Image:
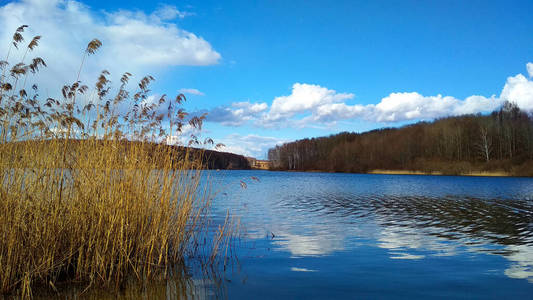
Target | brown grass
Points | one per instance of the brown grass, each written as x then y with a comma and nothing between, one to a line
402,172
92,210
410,172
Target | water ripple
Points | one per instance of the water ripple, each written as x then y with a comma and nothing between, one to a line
411,217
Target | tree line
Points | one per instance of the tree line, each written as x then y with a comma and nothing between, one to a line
500,141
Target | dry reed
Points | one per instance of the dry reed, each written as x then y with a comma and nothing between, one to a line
87,194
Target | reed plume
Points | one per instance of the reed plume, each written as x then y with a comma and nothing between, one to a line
88,191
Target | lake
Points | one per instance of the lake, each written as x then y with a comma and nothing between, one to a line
338,236
323,235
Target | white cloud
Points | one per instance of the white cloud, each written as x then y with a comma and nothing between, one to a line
304,98
327,106
170,12
309,105
236,115
133,41
529,67
413,106
133,38
251,107
251,145
335,111
519,89
191,92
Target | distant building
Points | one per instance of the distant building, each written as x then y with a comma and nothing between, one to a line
258,164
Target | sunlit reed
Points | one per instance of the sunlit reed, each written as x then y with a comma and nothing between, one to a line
89,192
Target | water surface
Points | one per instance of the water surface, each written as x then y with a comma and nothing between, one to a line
323,235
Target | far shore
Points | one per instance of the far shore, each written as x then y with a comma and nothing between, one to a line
411,172
474,173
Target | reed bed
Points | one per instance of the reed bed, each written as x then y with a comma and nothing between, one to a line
88,191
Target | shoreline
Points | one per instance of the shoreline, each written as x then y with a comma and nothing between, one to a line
438,173
411,172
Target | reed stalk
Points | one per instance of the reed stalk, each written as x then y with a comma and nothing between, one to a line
96,201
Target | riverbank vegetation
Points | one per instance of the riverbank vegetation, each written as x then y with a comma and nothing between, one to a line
498,142
78,203
211,159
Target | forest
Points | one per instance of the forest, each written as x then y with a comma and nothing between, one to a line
210,159
500,141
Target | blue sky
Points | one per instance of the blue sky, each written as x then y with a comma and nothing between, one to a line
273,71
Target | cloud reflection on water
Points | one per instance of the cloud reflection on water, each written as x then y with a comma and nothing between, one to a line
323,214
522,262
309,245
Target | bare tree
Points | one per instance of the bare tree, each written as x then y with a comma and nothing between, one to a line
485,142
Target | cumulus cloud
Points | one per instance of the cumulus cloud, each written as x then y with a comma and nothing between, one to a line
320,105
304,98
327,106
309,105
413,106
251,145
191,92
519,89
335,111
133,41
237,114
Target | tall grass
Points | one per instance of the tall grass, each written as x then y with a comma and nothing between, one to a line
88,192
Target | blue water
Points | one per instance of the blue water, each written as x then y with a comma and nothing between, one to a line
330,236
